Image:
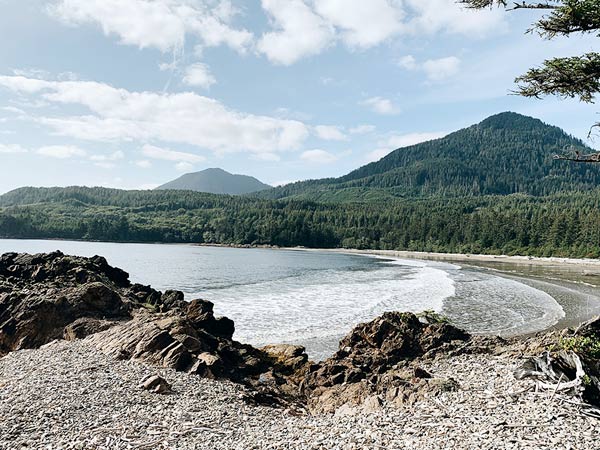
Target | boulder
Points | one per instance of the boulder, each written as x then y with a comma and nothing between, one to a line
156,384
43,296
375,359
291,357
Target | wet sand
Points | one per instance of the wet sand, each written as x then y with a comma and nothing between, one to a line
573,283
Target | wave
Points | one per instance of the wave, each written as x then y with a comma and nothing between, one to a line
325,305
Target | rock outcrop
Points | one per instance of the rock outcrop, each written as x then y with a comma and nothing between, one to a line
40,295
377,360
53,296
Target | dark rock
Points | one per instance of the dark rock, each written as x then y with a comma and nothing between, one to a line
84,327
371,360
156,384
41,295
173,299
421,373
200,314
198,311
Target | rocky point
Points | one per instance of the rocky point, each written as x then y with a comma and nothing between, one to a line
53,296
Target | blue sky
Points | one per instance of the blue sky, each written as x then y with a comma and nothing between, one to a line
133,93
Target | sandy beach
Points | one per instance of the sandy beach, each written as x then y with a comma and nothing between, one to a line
591,266
573,283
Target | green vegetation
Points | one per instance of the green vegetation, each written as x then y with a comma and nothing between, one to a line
505,154
559,225
588,346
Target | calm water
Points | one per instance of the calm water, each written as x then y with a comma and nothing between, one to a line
314,298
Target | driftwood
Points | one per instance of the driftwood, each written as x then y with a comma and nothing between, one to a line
574,374
550,371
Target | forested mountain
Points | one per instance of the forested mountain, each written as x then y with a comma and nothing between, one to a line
505,154
490,188
216,181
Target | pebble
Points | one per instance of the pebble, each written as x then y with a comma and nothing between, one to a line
70,396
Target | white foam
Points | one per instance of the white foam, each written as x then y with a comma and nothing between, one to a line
329,303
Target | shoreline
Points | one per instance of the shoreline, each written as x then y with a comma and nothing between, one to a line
554,276
433,256
573,283
479,258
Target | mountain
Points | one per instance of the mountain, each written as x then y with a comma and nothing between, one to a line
216,181
490,188
505,154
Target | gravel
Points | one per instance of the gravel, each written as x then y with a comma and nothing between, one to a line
70,396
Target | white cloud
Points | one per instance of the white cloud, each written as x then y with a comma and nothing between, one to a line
318,157
408,62
183,118
161,24
304,28
23,84
447,16
362,23
300,28
143,163
184,166
381,105
136,22
299,32
362,129
116,156
61,151
12,148
441,69
150,151
435,69
330,133
199,75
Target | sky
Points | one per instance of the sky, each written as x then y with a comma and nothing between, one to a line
133,93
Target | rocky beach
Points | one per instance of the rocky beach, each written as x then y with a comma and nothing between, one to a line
90,360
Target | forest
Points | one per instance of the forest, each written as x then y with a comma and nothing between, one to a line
556,225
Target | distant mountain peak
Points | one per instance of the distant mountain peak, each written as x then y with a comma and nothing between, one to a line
216,181
509,119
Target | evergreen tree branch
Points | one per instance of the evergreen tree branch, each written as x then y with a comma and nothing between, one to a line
570,77
480,4
574,16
